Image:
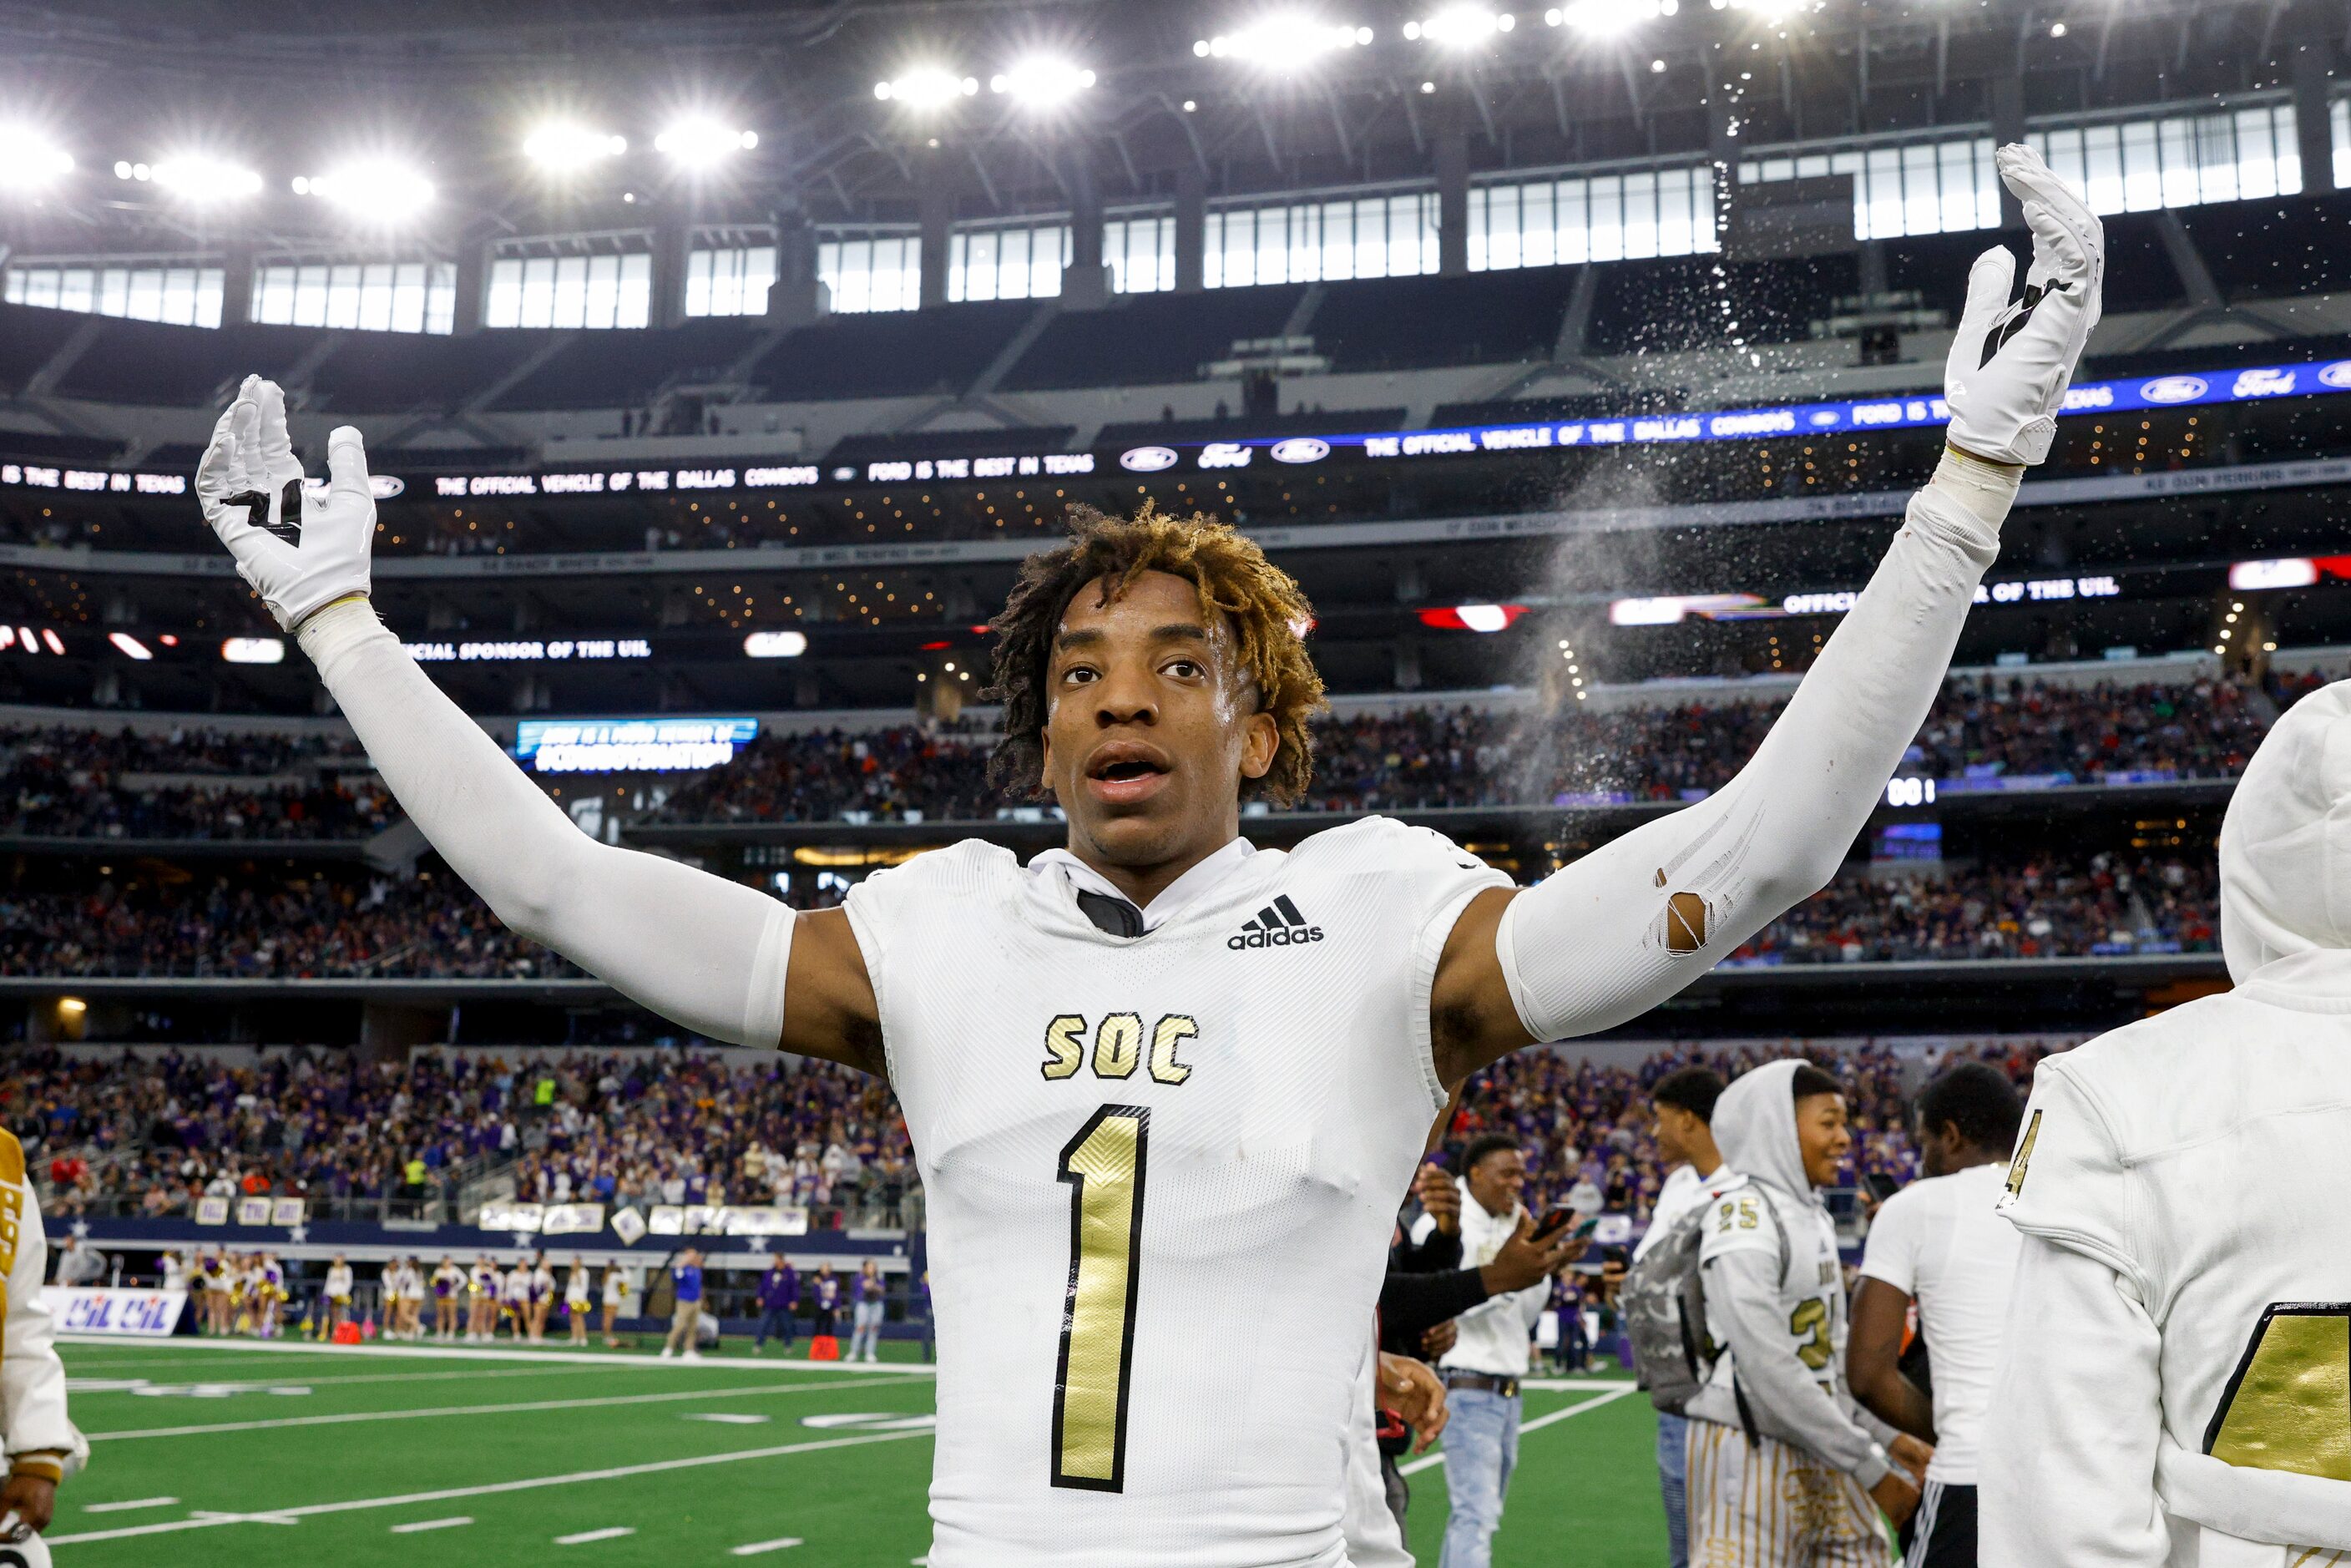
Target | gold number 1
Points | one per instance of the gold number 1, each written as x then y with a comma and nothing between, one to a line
1104,1165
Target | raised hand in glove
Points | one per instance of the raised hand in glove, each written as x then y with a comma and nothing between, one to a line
2012,360
249,481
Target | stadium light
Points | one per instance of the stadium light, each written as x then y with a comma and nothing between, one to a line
1460,27
1608,18
378,189
195,178
925,87
30,161
1042,81
700,142
775,644
1285,41
253,651
565,146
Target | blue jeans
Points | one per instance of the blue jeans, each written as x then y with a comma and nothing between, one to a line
1481,1450
777,1320
1673,1479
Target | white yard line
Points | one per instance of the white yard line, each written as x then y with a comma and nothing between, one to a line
350,1417
435,1351
126,1507
239,1386
1413,1467
754,1548
446,1494
418,1526
610,1532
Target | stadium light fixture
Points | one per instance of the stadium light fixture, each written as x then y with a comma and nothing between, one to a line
30,161
380,190
925,87
1460,27
1042,82
566,147
253,651
194,178
1285,41
1608,18
701,142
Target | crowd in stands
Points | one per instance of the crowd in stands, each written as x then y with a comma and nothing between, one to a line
69,782
2045,906
2040,907
151,1135
1431,757
690,1129
305,926
154,1133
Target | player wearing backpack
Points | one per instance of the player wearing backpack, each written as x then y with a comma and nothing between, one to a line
1681,1105
1784,1465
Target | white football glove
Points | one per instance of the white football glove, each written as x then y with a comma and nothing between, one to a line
249,481
2011,361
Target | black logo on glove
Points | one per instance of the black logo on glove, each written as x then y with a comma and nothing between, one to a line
2035,293
289,526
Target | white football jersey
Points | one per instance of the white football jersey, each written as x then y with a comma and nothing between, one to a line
2200,1155
1161,1174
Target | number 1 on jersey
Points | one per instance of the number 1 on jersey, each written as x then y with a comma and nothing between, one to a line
1104,1165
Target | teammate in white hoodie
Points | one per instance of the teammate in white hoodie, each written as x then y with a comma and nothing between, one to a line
2174,1384
1784,1465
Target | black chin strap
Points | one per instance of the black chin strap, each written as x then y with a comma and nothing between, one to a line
1112,916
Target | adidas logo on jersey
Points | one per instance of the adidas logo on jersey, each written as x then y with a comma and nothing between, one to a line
1278,925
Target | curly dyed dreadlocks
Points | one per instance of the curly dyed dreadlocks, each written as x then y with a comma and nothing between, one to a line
1233,581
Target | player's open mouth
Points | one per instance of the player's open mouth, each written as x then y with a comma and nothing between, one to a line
1125,772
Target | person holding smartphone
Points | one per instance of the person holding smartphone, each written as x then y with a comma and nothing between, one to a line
1488,1358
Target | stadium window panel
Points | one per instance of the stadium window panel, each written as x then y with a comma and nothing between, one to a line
1140,251
1609,217
605,290
1020,262
871,272
183,294
2179,160
1331,241
729,280
2341,117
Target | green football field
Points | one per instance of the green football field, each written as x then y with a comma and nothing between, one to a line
212,1452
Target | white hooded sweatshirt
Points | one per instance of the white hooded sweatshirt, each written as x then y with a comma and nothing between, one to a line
2175,1383
1778,1304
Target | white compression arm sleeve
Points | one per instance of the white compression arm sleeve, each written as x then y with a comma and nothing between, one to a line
702,951
1619,931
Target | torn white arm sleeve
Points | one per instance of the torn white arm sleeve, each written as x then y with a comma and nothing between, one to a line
1597,944
695,948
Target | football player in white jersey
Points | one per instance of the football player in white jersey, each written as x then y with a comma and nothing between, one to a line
2174,1385
1164,1086
1938,1245
1784,1465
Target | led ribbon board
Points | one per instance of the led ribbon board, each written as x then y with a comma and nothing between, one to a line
2181,389
630,744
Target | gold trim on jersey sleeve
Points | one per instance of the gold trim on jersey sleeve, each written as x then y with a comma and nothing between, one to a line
2288,1405
2014,1188
11,1159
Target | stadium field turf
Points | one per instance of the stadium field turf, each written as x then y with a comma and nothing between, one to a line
210,1452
